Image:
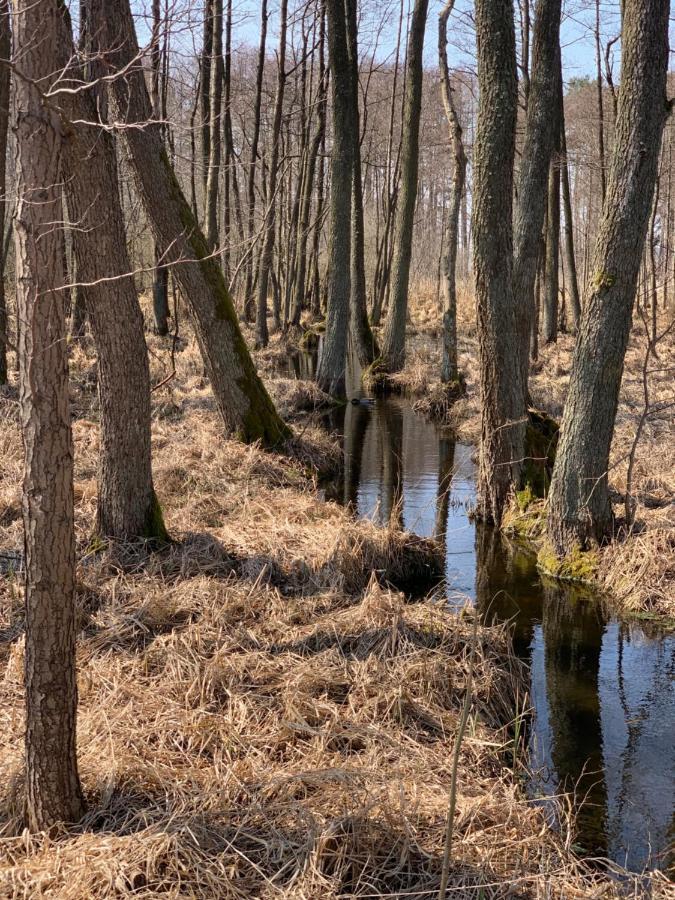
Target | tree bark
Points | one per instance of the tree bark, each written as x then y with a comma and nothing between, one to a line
331,373
240,394
449,371
579,508
532,186
501,393
215,109
393,343
127,507
53,791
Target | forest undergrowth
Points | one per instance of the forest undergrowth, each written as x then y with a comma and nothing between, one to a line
637,568
262,714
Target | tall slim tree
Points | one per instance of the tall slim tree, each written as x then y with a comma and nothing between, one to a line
449,371
53,791
160,281
540,134
331,373
551,281
215,109
240,394
568,232
579,507
267,255
501,445
360,330
393,343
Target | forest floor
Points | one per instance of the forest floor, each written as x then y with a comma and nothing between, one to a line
637,568
262,714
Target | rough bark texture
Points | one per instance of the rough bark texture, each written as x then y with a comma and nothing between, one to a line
579,506
393,343
240,394
540,134
127,507
331,374
449,361
502,423
53,790
5,49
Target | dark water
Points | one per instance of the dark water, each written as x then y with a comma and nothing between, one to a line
602,691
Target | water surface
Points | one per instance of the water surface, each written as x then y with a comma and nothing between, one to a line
602,691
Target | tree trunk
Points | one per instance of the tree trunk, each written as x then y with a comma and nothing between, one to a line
215,108
393,344
240,394
579,508
249,300
160,283
550,318
570,259
127,507
331,373
501,393
449,371
540,134
601,115
266,258
360,330
53,792
5,51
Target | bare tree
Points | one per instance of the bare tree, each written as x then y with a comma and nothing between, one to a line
579,508
53,789
501,393
393,341
240,394
331,373
449,371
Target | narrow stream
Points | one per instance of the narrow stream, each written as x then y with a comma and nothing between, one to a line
602,690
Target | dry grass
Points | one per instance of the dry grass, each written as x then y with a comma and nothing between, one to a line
260,715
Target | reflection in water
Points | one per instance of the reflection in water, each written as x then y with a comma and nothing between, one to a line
602,692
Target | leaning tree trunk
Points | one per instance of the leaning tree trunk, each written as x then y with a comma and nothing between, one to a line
5,50
449,372
331,373
393,344
53,792
360,330
240,394
501,393
540,132
579,508
127,506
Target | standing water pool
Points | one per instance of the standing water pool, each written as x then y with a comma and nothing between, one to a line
602,690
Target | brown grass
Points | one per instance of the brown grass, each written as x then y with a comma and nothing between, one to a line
260,714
